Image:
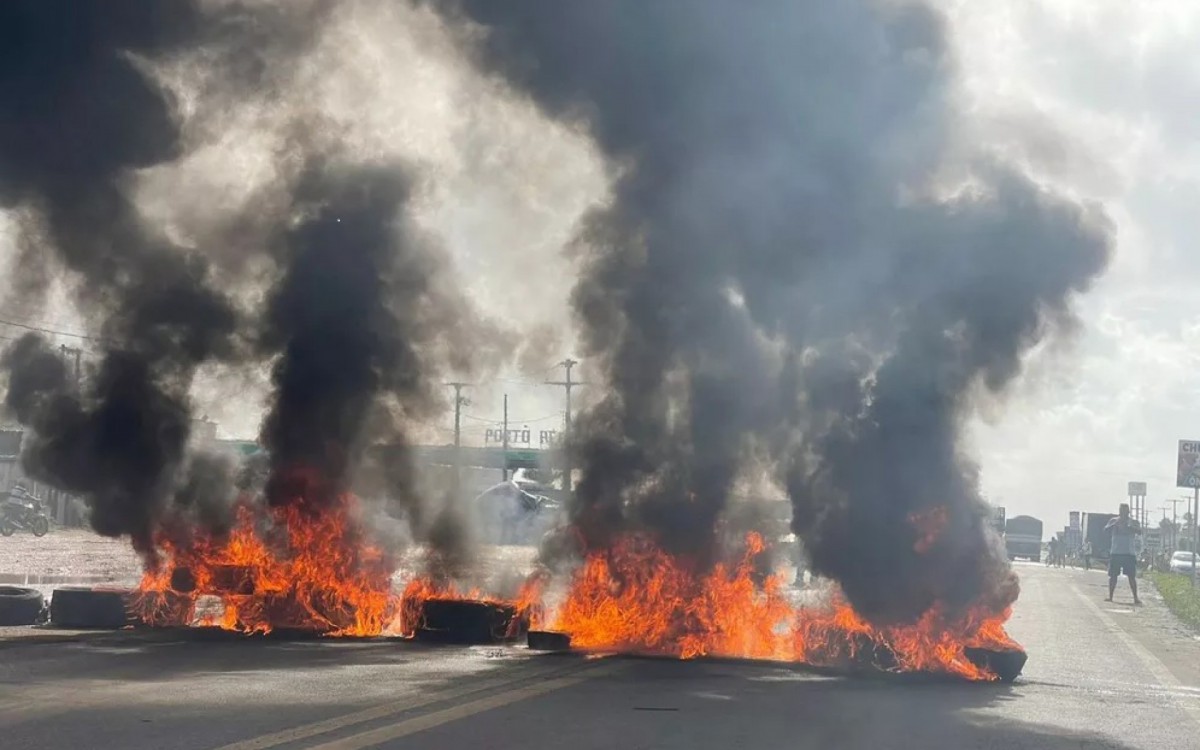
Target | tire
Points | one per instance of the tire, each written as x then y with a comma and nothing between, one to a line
84,608
20,606
40,526
7,528
468,622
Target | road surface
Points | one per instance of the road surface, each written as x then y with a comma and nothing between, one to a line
1099,675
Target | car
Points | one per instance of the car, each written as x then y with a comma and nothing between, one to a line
1183,562
509,514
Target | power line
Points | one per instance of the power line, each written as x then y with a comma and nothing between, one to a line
556,415
51,331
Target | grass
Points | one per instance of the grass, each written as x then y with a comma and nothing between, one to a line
1181,598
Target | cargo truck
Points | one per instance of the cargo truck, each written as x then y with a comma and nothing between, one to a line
1023,538
1095,530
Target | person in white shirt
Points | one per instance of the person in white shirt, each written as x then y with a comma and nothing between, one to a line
1123,553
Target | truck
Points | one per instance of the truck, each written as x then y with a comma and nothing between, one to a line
1095,530
1023,538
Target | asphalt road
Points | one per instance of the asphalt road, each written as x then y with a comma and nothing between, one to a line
1099,675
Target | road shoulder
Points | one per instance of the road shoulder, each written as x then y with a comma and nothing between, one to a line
1152,626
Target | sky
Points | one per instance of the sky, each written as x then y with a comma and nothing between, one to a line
1095,97
1099,97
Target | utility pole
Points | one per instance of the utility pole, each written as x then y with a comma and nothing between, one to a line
567,364
73,351
1195,533
505,458
459,402
1175,521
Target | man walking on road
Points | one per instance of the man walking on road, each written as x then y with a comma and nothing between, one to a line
1087,555
1123,553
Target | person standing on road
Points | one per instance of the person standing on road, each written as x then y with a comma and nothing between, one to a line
1123,553
1087,554
1052,557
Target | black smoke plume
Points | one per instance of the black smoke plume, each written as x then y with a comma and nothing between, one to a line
76,116
352,318
788,258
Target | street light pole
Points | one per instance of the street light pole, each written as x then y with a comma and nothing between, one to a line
1195,530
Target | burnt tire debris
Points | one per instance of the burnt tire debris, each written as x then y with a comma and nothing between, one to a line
21,606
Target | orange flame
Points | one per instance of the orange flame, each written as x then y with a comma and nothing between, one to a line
527,605
282,567
290,567
635,597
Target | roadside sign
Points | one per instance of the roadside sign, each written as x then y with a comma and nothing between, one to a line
1154,540
10,443
1188,474
1137,489
522,459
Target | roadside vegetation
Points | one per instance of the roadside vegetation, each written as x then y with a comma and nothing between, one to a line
1181,598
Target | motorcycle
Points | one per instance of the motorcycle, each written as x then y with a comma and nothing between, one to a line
19,513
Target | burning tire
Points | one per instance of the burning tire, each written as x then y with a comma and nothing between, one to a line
90,608
162,609
1006,665
232,579
20,606
549,640
469,622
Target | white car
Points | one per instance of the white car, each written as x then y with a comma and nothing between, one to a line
1183,562
509,514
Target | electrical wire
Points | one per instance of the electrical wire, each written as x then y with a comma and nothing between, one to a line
50,331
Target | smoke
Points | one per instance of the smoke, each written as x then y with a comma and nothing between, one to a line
320,274
797,252
362,321
78,115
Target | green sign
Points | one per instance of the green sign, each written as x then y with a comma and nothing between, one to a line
522,459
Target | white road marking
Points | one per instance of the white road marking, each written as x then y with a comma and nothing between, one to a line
1152,663
455,713
385,710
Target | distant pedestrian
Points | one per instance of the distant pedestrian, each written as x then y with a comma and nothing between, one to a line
1087,555
1052,558
1123,553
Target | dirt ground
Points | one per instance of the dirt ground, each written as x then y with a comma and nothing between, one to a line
76,555
68,553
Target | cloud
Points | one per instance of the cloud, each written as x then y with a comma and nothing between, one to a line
1099,97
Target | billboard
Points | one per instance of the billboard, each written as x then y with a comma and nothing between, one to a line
998,518
1137,489
10,443
1188,472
